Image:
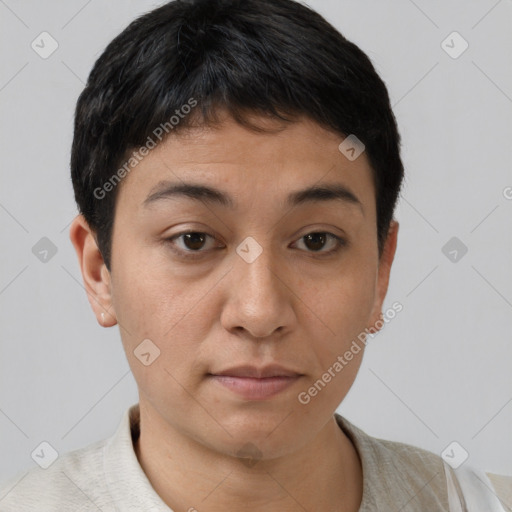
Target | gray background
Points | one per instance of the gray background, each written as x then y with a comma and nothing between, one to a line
439,372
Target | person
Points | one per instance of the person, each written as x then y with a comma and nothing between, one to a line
236,166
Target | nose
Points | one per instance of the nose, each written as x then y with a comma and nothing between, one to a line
260,299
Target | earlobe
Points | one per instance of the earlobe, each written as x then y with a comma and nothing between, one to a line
96,277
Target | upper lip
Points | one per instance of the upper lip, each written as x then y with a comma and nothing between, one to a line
249,371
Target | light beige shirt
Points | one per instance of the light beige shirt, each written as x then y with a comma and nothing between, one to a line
106,476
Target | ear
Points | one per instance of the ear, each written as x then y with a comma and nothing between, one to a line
95,274
385,262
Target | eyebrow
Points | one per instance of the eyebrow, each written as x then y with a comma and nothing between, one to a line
318,193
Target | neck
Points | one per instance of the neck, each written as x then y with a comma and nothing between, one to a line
326,474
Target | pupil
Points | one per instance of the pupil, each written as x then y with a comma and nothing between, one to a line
315,236
196,238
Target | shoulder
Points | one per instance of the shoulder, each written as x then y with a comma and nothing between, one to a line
417,479
503,488
73,482
474,481
403,456
397,474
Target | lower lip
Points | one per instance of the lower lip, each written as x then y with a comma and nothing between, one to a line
255,389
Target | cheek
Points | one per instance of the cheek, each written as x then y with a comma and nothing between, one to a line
151,304
153,301
336,343
146,296
159,310
342,311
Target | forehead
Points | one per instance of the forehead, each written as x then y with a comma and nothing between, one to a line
244,165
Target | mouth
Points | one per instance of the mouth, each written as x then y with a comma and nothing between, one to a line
253,383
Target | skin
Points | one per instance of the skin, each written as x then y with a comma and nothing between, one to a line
290,306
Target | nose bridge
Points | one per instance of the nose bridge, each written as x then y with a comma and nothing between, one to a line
258,298
257,271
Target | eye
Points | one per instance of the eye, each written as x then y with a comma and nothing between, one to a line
193,242
316,242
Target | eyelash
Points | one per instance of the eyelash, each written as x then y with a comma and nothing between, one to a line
189,254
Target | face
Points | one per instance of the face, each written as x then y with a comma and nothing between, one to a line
252,306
